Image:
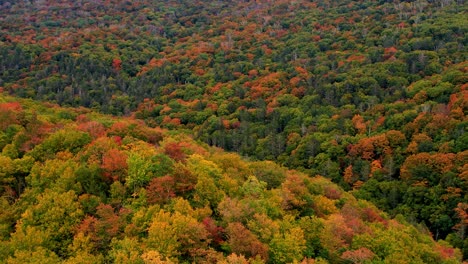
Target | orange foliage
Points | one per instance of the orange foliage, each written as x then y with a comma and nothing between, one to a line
295,81
360,255
226,124
8,114
294,191
376,165
298,92
389,52
11,106
462,214
242,241
439,163
301,71
174,150
93,128
359,124
353,57
348,175
114,164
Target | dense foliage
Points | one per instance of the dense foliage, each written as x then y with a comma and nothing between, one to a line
78,187
370,94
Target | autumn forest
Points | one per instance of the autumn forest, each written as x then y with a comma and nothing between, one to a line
242,131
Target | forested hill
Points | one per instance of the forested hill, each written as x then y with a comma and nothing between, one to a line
370,94
80,187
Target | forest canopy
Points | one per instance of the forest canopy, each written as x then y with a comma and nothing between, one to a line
370,95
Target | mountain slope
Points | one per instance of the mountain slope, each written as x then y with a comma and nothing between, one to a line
79,187
371,94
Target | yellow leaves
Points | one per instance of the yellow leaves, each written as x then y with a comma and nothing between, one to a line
81,243
324,206
294,191
207,193
38,255
162,237
56,214
263,227
28,237
200,166
154,257
234,259
175,234
126,251
56,174
336,234
183,207
6,170
231,164
288,247
81,251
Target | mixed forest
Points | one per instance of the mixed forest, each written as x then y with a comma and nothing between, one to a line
310,131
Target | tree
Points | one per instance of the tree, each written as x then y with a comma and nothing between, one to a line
61,140
242,241
358,256
161,189
138,172
57,215
38,255
174,235
287,246
127,250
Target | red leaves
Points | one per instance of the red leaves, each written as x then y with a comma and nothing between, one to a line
160,190
242,241
114,163
117,64
106,225
93,128
174,150
216,233
371,215
332,192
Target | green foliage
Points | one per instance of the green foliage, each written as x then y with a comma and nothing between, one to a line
369,94
62,140
127,201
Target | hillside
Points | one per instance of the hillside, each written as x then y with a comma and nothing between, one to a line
369,94
80,187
